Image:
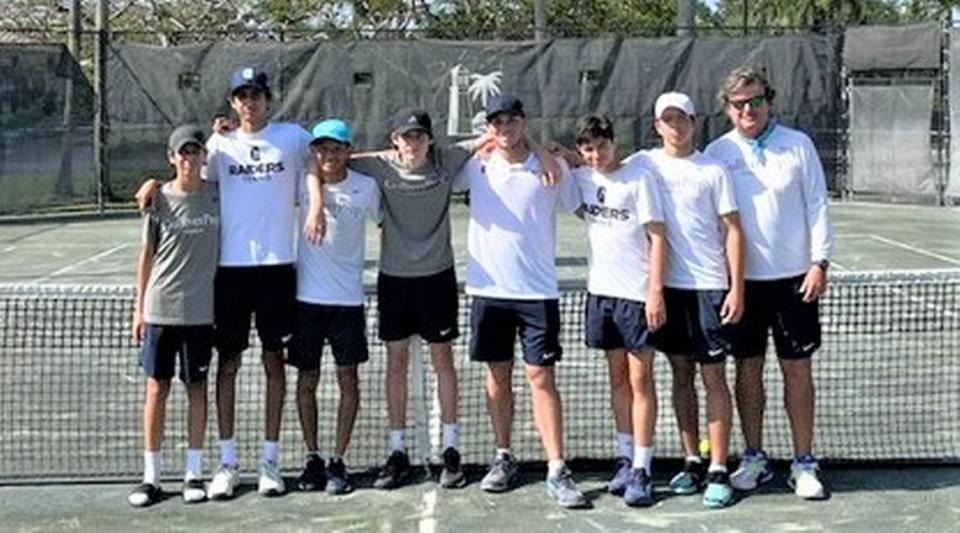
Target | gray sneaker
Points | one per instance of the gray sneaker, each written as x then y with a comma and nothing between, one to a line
564,491
503,472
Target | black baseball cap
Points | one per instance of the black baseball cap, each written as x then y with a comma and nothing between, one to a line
184,135
249,77
504,103
410,120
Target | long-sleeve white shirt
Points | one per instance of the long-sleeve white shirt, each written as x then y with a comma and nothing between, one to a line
782,199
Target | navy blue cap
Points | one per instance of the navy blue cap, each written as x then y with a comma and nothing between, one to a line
504,103
409,120
249,77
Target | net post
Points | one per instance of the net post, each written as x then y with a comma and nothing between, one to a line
420,410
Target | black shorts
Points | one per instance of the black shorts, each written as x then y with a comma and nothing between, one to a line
343,326
693,325
616,323
425,306
266,292
163,345
777,305
495,322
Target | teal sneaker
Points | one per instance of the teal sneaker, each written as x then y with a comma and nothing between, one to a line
688,480
718,493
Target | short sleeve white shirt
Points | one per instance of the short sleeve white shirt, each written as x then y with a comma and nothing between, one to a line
259,175
782,200
511,239
616,208
696,192
331,273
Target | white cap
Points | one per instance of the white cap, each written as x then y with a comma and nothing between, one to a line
673,99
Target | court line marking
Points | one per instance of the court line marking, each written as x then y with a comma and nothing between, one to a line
428,523
9,249
915,249
68,268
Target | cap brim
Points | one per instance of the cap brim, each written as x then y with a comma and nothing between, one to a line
330,138
179,146
493,115
260,87
408,128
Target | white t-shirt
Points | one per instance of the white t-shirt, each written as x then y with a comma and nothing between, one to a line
616,208
259,175
331,273
782,200
511,240
696,192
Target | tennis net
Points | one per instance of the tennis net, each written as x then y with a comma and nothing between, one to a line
888,386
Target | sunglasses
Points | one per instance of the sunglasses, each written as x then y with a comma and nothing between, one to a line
756,101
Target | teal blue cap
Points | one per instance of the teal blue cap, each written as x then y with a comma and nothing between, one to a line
333,129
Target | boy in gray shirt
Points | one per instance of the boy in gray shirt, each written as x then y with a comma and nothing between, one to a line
173,313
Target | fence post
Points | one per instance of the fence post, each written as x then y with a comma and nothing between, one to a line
100,119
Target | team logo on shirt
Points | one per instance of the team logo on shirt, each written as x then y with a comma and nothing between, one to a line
600,211
255,153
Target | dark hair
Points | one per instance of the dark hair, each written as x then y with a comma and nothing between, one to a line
593,127
741,77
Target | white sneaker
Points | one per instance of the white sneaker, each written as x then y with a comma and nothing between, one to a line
804,480
193,491
224,483
754,470
271,482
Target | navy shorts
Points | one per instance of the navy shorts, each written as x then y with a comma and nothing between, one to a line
266,292
425,306
163,345
343,326
495,322
693,325
616,323
777,305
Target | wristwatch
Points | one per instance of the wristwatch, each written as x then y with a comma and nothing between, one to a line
824,264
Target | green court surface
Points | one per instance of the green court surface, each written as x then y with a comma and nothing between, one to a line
870,497
91,251
874,500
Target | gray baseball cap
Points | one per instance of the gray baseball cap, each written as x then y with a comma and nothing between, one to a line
184,135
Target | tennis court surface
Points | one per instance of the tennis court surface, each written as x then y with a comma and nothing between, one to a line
888,383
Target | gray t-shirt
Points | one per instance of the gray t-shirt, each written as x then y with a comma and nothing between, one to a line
416,210
184,231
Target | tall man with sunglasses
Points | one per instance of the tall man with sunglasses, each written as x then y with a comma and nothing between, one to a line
781,191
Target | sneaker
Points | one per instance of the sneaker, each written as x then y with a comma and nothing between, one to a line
337,480
452,476
224,483
718,493
145,495
621,476
271,482
804,479
193,491
564,491
314,475
754,471
688,480
395,472
503,472
639,490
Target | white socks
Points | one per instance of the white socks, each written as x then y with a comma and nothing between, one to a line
398,440
624,445
451,436
228,452
555,466
194,465
271,452
152,467
642,457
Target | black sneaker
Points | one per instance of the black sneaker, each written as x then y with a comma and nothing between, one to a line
452,476
337,480
395,472
314,476
145,495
